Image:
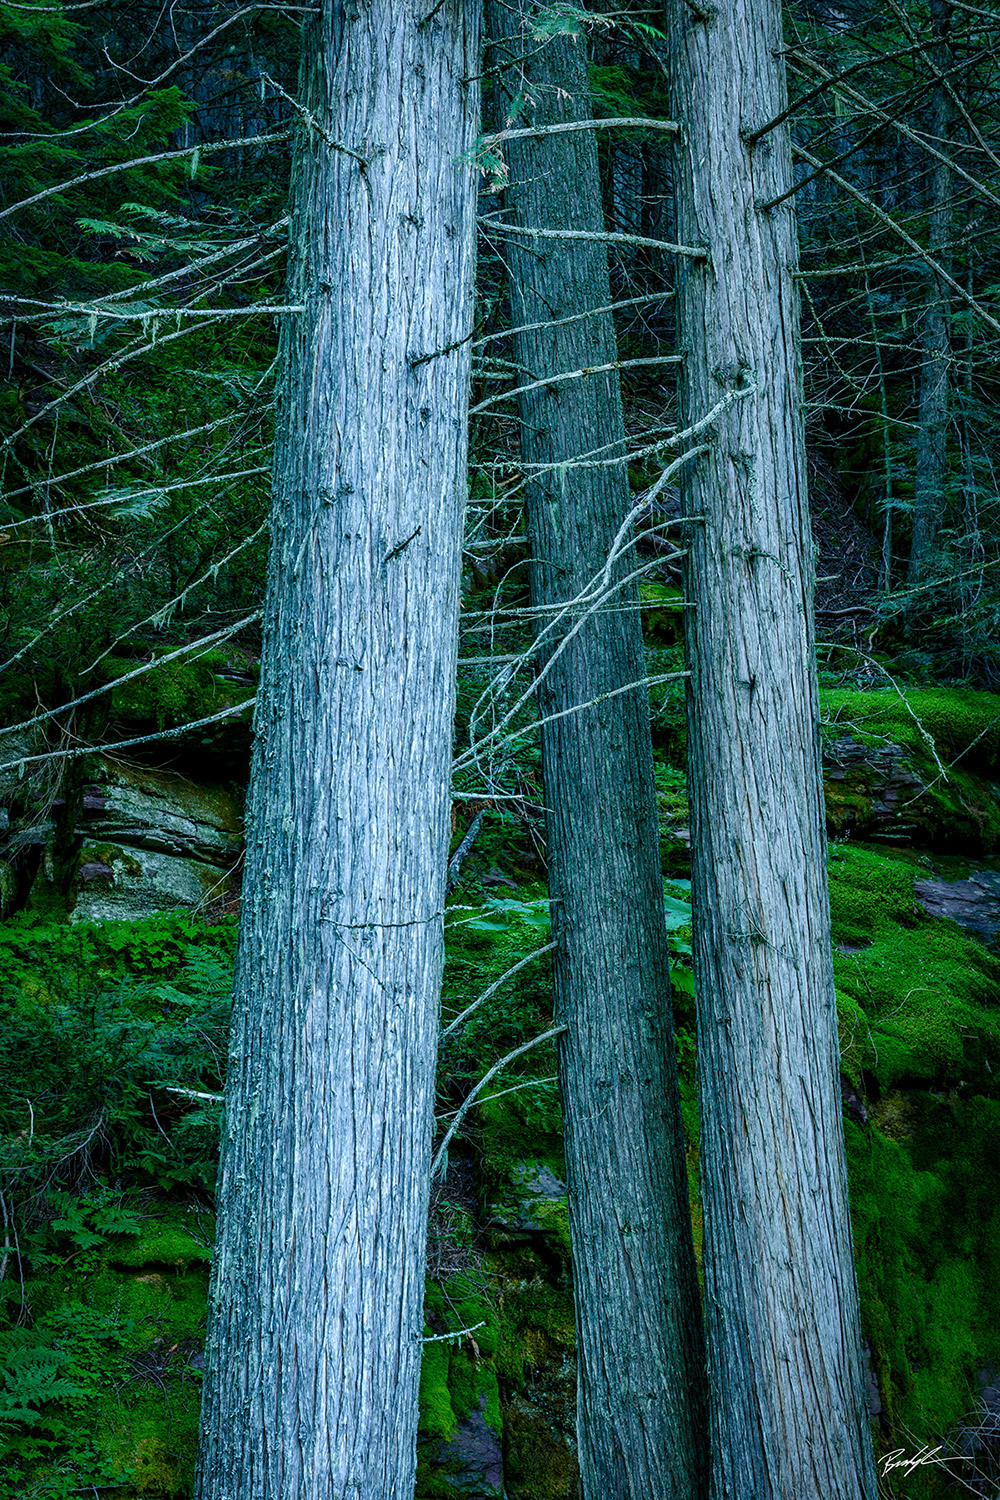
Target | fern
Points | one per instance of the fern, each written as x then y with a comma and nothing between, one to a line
33,1374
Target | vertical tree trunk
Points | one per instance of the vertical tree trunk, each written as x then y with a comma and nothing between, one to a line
788,1411
931,468
640,1410
316,1305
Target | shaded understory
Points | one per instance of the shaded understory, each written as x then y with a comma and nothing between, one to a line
112,1045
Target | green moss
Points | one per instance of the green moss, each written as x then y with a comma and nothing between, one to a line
958,721
187,688
953,730
162,1242
437,1416
459,1377
925,1234
917,998
473,1386
553,1217
158,1304
536,1321
151,1434
869,889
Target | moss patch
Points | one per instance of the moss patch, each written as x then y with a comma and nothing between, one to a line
957,721
917,999
152,1435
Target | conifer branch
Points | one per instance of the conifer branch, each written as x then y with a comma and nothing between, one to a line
209,148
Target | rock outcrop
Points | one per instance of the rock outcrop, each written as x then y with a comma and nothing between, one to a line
148,841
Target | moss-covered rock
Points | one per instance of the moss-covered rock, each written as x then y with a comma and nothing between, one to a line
927,1249
460,1419
151,842
919,768
918,999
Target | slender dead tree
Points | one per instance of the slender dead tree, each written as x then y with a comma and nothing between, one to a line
314,1346
788,1408
641,1399
931,468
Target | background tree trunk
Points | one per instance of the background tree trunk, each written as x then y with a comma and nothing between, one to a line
641,1403
788,1413
931,468
316,1305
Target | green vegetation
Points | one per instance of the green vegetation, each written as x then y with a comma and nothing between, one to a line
936,787
107,1166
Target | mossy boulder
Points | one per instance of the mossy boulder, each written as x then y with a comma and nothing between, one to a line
918,1000
459,1451
919,768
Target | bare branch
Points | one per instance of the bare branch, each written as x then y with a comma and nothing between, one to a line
470,1100
594,236
591,312
113,362
150,314
904,130
133,495
906,237
623,122
455,863
150,666
617,364
142,739
120,458
143,288
528,958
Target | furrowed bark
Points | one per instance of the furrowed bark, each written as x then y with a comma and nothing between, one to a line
314,1346
641,1399
788,1409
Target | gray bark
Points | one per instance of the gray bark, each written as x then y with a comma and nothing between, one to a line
314,1345
641,1403
931,467
788,1409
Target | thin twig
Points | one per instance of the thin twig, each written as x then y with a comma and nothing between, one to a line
471,1098
528,958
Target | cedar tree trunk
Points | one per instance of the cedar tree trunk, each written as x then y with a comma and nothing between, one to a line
788,1408
641,1400
314,1347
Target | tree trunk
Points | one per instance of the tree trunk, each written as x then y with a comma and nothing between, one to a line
314,1347
788,1412
931,468
640,1408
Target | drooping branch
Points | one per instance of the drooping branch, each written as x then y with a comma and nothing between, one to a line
209,148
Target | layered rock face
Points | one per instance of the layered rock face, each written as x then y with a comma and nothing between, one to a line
141,841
